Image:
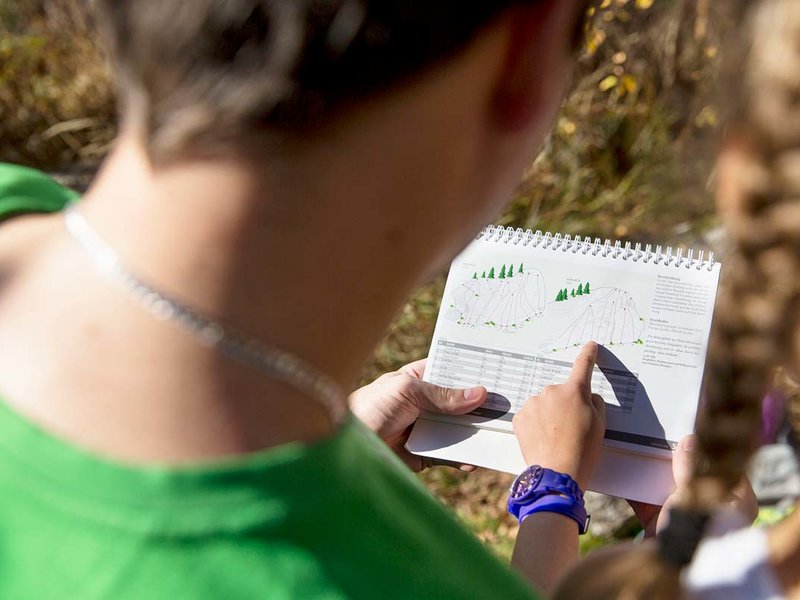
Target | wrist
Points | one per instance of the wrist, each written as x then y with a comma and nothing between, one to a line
562,505
541,489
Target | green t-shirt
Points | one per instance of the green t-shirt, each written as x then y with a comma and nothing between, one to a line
341,518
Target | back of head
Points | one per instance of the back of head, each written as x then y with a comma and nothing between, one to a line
757,320
616,572
196,75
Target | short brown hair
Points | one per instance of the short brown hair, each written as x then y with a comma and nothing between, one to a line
198,73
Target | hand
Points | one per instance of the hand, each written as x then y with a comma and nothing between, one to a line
562,428
654,518
391,404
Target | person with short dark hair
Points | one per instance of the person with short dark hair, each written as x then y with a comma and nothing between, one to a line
176,345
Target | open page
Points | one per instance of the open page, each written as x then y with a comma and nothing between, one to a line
514,317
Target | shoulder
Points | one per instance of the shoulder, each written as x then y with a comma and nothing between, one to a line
23,189
26,191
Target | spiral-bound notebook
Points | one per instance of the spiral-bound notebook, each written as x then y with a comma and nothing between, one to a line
516,309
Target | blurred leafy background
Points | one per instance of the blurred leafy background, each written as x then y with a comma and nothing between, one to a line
630,156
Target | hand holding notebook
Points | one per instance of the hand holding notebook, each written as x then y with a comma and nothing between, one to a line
517,308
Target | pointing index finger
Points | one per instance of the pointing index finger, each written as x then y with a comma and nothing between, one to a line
584,365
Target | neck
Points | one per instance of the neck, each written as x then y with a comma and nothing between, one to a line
274,265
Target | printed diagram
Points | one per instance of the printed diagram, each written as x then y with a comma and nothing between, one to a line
609,318
504,298
508,297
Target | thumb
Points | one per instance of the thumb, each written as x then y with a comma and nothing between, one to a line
683,460
450,401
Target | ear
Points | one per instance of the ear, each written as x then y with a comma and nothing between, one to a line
538,63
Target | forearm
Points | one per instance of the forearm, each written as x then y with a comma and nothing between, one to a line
547,545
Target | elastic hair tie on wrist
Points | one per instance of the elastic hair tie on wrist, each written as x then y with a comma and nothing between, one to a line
794,442
680,538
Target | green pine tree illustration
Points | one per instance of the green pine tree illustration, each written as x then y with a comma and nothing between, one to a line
484,275
474,275
491,273
586,288
503,272
580,289
510,272
520,268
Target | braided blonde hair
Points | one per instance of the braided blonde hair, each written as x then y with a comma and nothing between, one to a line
759,307
757,319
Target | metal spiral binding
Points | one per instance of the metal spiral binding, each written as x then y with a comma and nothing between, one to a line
597,247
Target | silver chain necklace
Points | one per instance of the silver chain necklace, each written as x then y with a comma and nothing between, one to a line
270,361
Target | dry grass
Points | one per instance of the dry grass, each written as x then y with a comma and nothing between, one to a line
630,156
56,106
